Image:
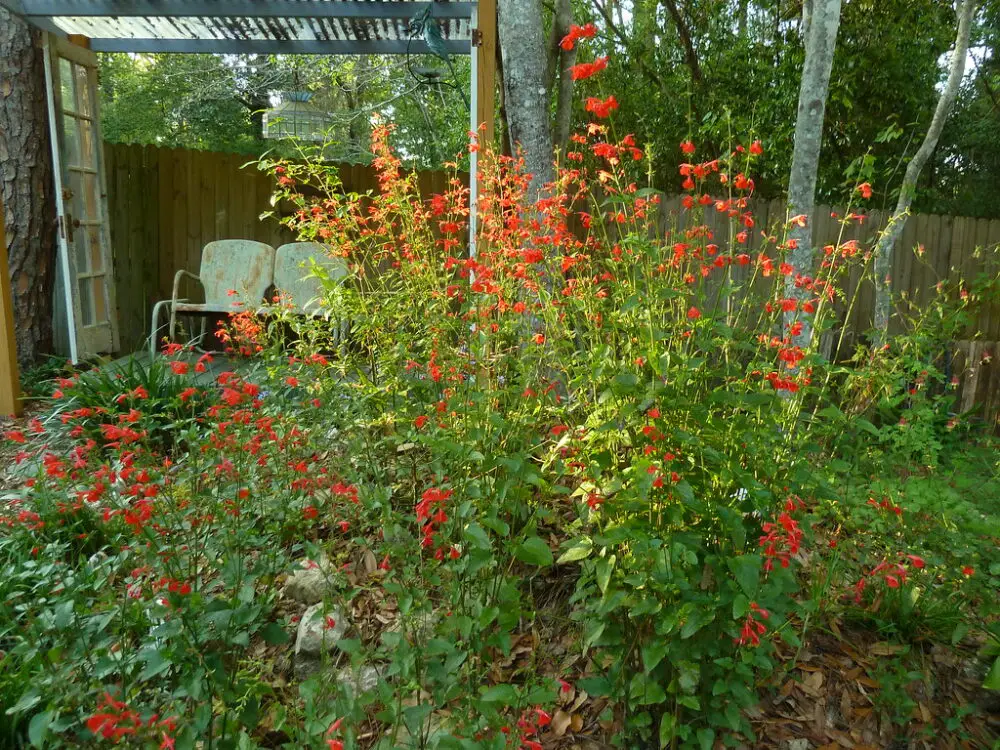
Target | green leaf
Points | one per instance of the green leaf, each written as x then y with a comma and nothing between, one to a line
533,551
741,605
706,738
274,635
38,728
604,567
992,681
653,653
28,700
477,534
668,728
746,569
645,691
595,686
155,664
505,695
580,549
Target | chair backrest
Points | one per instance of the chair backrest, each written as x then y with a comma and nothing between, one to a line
291,272
243,265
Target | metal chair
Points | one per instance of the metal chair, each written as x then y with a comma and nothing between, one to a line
242,266
293,280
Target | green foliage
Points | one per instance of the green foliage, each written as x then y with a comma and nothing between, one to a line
104,402
520,476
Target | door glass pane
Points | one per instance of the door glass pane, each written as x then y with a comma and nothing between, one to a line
73,205
67,86
71,140
83,90
86,301
100,308
94,242
91,207
88,150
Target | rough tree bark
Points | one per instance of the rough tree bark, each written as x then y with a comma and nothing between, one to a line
559,64
821,41
26,181
525,95
883,250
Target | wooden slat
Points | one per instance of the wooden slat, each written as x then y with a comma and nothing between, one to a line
10,383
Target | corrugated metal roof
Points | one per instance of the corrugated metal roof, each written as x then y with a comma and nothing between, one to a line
314,26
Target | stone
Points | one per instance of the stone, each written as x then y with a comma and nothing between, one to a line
358,680
308,585
320,630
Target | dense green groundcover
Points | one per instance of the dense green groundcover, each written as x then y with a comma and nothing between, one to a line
580,486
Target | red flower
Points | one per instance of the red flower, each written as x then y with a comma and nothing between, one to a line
309,512
756,148
865,189
179,368
15,436
687,147
292,381
188,393
653,413
918,562
693,313
601,107
968,570
420,421
539,338
577,32
558,429
586,70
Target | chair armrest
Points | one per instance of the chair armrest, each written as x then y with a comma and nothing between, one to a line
177,282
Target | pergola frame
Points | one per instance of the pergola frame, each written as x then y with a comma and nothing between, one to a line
256,27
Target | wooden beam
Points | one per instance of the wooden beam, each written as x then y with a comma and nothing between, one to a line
235,9
10,384
276,46
487,52
79,40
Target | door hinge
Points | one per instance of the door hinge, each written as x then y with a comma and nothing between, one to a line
477,38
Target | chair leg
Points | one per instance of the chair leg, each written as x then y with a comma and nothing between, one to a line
173,323
154,327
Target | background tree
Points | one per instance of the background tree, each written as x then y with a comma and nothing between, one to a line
26,182
216,102
524,65
821,20
883,252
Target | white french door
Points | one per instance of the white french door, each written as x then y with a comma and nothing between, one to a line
86,265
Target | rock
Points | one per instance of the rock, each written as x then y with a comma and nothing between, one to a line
308,585
320,630
358,680
798,744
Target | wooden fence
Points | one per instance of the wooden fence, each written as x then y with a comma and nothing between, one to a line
166,204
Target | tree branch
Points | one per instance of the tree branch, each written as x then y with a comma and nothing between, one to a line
684,32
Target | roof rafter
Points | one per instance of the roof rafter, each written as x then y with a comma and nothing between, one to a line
371,9
276,46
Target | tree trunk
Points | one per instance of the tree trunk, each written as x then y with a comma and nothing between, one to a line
820,40
565,59
525,96
26,181
883,251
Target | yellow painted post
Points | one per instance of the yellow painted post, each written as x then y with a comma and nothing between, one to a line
487,52
10,384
